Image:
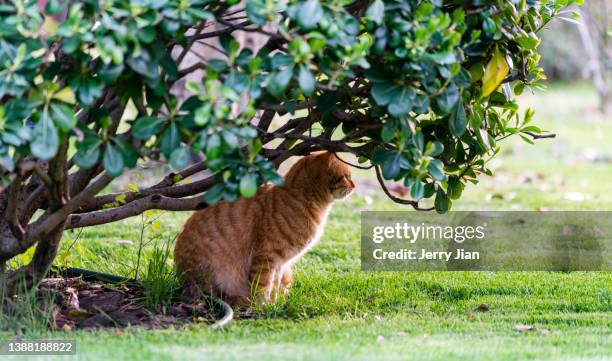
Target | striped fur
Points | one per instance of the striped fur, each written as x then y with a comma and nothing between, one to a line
246,248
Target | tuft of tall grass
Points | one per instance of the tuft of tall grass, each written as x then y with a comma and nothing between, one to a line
159,278
28,313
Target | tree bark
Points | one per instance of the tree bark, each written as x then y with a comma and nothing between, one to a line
24,278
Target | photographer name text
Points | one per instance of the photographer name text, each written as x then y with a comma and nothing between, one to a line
410,254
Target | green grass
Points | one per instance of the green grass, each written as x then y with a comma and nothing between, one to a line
336,311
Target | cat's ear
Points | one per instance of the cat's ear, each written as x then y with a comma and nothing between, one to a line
319,153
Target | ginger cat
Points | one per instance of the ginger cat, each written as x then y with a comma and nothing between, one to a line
230,250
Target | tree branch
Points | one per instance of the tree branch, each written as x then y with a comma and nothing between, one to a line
50,219
266,119
58,173
278,156
173,178
134,208
11,210
191,69
395,199
179,191
283,109
189,44
213,34
324,143
541,136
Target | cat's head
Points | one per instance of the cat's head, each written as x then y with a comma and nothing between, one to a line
338,176
325,172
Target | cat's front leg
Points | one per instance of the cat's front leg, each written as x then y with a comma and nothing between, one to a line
286,279
263,276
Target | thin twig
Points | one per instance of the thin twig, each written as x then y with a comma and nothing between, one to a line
42,175
395,199
541,136
353,165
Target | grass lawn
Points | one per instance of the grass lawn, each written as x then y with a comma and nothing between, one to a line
335,311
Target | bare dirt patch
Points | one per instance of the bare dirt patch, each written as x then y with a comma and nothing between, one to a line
77,304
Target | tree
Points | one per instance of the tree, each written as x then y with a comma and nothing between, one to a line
595,34
424,90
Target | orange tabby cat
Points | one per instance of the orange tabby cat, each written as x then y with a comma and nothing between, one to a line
231,249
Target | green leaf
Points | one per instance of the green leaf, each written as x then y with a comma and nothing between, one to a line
146,127
63,116
381,155
442,203
218,65
448,99
416,191
110,72
436,169
201,14
475,120
455,188
383,93
489,25
214,194
88,152
430,189
433,149
309,14
528,40
532,128
202,115
376,11
213,146
458,121
230,139
418,140
89,89
144,65
306,80
179,158
113,161
7,163
129,154
278,81
391,166
248,185
401,101
45,139
170,140
388,131
443,57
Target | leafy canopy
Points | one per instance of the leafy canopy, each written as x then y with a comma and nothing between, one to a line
423,89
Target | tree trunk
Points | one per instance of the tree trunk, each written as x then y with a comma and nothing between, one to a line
26,277
594,40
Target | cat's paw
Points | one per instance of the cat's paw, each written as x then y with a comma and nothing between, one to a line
286,279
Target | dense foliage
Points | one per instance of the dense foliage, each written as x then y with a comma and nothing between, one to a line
414,83
423,89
